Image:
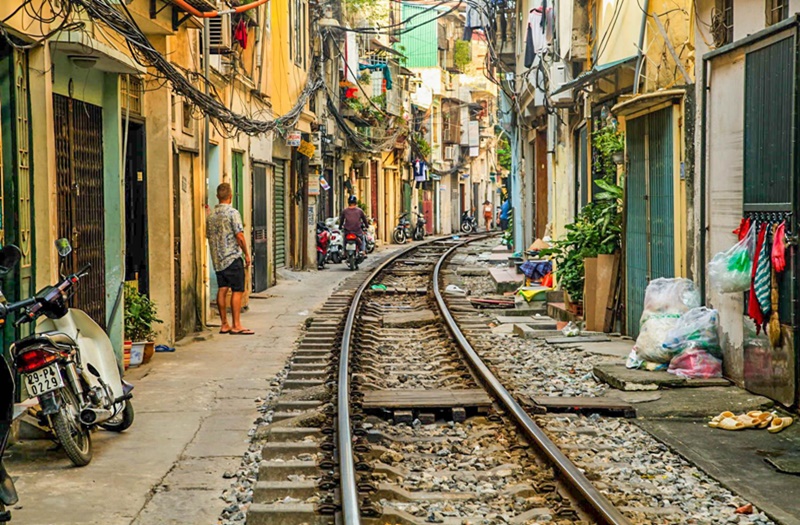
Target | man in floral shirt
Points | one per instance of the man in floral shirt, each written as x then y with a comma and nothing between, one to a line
226,240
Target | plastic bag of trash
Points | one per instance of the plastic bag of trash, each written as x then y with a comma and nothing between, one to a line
665,300
697,328
695,363
731,271
633,360
571,330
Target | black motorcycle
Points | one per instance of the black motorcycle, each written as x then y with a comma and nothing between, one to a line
402,231
10,255
419,227
469,223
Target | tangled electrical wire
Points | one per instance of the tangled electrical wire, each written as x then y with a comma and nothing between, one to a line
146,55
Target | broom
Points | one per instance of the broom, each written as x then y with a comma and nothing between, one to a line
774,325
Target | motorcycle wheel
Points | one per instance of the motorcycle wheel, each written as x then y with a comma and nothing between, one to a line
466,227
370,248
71,433
320,261
399,237
122,421
337,258
351,261
419,234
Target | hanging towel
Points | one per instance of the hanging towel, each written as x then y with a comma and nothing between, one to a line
762,282
240,33
535,39
779,248
753,308
744,227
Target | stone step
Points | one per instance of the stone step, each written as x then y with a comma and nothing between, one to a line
299,384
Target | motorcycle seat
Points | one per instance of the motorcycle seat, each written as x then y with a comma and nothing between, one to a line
52,338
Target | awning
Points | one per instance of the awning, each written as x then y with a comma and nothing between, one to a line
639,102
375,43
95,54
597,72
407,72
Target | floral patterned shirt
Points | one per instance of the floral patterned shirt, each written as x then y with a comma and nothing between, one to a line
222,226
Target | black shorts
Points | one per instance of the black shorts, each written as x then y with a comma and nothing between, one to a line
232,277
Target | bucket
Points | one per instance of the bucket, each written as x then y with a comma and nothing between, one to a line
137,354
127,354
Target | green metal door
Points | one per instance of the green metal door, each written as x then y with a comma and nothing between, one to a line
770,195
649,209
237,180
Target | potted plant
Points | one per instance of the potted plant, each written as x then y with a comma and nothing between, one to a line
140,318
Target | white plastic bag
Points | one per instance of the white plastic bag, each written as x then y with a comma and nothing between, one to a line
571,330
697,328
633,360
665,300
731,271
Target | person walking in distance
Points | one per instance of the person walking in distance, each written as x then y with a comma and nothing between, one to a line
226,240
487,215
504,212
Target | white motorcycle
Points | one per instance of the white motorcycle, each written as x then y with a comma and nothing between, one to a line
336,245
70,366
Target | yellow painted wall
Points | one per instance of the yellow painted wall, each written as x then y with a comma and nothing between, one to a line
618,25
659,66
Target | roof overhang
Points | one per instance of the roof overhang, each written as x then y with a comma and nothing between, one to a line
602,75
80,46
637,103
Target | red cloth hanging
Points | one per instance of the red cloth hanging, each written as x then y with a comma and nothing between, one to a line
744,227
779,248
753,308
240,34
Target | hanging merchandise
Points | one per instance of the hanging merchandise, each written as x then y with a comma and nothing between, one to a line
731,271
763,272
779,248
420,170
744,227
753,308
774,324
351,57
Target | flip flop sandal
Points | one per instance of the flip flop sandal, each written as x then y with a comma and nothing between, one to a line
764,420
779,423
730,423
716,419
242,332
224,331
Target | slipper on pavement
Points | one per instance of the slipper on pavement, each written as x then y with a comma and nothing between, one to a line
242,332
164,348
730,423
779,423
224,331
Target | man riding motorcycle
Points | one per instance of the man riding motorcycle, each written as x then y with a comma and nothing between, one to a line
354,220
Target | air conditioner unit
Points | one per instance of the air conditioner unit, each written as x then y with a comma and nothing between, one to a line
558,77
219,35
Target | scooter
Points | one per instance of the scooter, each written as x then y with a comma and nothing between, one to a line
69,365
323,240
10,256
335,246
369,236
402,231
353,251
469,223
419,227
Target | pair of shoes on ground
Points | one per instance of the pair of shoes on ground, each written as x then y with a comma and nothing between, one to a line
246,331
753,419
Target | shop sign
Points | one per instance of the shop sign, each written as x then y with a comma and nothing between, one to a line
313,184
306,148
293,139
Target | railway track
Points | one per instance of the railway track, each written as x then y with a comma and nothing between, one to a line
387,415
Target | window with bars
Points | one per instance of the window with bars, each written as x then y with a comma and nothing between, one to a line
722,22
131,92
777,10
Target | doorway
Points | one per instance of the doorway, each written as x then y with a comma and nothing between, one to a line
136,253
259,241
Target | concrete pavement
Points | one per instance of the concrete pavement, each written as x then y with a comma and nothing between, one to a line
194,409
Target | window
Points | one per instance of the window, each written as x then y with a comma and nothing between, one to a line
722,22
777,10
297,31
188,121
173,111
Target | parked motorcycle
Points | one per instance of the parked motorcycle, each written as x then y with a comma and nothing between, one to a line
323,240
335,246
70,366
10,255
419,227
353,251
369,236
469,223
402,231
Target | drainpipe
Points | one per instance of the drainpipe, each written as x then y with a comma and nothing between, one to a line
701,266
640,52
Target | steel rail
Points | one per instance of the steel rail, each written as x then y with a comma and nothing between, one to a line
351,513
600,506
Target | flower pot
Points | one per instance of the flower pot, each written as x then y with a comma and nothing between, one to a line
127,354
137,353
149,351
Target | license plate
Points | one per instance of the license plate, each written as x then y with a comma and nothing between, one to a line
42,381
351,246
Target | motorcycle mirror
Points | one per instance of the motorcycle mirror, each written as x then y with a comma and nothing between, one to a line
10,255
63,247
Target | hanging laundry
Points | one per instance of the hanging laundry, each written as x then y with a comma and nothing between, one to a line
420,171
240,33
763,273
350,57
384,68
753,308
779,248
535,39
744,227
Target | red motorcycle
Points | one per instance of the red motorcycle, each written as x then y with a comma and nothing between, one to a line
323,241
